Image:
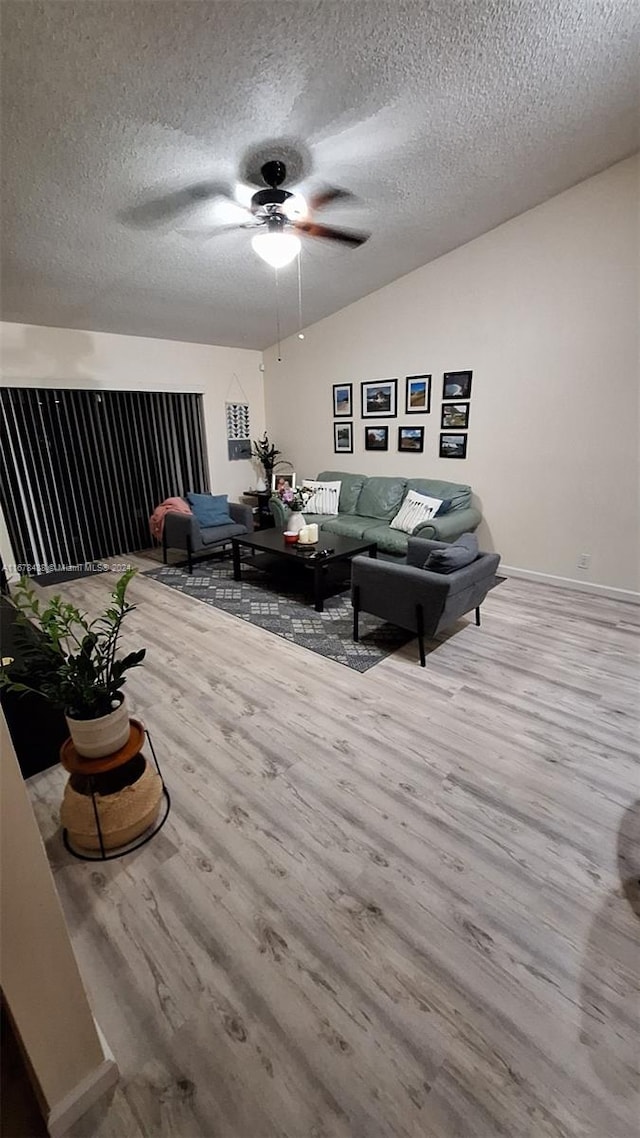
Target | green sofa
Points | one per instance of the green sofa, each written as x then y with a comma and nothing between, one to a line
367,505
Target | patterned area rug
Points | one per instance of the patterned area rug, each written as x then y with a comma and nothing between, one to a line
279,605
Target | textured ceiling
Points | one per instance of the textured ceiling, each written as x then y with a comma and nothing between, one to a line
446,117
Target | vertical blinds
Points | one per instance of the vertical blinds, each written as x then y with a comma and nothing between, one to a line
81,471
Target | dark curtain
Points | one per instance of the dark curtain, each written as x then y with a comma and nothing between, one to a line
81,471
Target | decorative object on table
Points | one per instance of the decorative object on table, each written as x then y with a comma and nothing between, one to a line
282,482
411,439
453,446
343,400
238,432
294,500
75,667
376,438
456,385
455,415
418,395
267,454
291,536
343,438
309,534
380,399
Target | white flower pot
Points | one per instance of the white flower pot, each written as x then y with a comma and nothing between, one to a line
95,738
296,523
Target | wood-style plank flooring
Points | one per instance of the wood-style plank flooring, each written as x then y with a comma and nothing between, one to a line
391,905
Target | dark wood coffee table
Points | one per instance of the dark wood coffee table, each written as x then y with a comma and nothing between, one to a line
265,549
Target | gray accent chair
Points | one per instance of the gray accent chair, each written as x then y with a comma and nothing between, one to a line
181,531
418,599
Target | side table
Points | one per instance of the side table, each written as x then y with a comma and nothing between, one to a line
108,782
265,517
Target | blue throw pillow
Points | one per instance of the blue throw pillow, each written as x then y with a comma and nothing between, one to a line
210,509
444,507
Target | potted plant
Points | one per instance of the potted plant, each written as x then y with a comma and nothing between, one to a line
267,453
74,665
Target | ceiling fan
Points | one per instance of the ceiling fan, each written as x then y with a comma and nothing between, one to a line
281,216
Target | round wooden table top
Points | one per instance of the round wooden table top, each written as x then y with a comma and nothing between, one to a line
76,764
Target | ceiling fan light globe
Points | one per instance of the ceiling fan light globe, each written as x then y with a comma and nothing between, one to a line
295,208
277,249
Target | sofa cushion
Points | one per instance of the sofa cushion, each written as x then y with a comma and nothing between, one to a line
455,556
351,485
388,540
349,525
210,509
381,498
458,494
211,535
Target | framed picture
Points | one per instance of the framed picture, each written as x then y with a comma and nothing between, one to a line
342,399
281,481
411,438
376,438
343,438
418,395
453,446
380,399
457,385
455,415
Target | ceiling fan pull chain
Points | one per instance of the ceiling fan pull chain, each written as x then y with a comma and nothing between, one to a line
300,332
278,317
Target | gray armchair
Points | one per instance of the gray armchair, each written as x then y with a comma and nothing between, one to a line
181,531
418,599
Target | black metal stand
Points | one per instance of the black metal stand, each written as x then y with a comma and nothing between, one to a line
130,847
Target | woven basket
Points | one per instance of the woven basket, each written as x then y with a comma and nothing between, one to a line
123,816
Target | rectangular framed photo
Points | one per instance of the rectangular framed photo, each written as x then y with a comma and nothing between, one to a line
343,438
456,385
455,415
376,438
342,400
411,438
380,399
453,446
418,395
281,481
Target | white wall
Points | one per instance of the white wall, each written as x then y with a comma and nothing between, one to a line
544,309
34,356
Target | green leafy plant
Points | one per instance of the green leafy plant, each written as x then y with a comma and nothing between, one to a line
267,453
74,663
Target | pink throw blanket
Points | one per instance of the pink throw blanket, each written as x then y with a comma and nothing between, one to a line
169,506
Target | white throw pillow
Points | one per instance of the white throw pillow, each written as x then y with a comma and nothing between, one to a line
415,510
325,497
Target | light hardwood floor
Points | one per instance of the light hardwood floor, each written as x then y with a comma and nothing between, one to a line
392,905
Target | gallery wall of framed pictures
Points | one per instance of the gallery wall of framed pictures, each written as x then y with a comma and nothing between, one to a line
379,400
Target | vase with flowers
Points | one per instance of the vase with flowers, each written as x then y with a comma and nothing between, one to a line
294,501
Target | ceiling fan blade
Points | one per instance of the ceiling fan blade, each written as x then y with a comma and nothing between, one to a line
207,234
329,194
345,236
168,207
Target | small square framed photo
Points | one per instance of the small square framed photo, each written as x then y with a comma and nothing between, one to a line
456,385
455,415
411,438
453,446
282,481
376,438
343,438
380,399
342,400
418,399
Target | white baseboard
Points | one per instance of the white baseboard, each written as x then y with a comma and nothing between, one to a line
85,1094
627,595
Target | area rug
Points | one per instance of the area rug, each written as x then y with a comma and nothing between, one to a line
279,605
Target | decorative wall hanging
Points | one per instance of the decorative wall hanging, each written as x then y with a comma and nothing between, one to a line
342,399
343,438
455,415
380,399
453,446
411,439
418,395
376,438
457,385
238,434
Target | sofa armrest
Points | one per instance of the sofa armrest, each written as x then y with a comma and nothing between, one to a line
177,527
452,525
241,514
279,512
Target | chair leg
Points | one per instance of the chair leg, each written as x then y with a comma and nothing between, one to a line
189,556
356,611
478,616
420,628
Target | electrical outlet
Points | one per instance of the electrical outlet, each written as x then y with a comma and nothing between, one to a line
584,561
